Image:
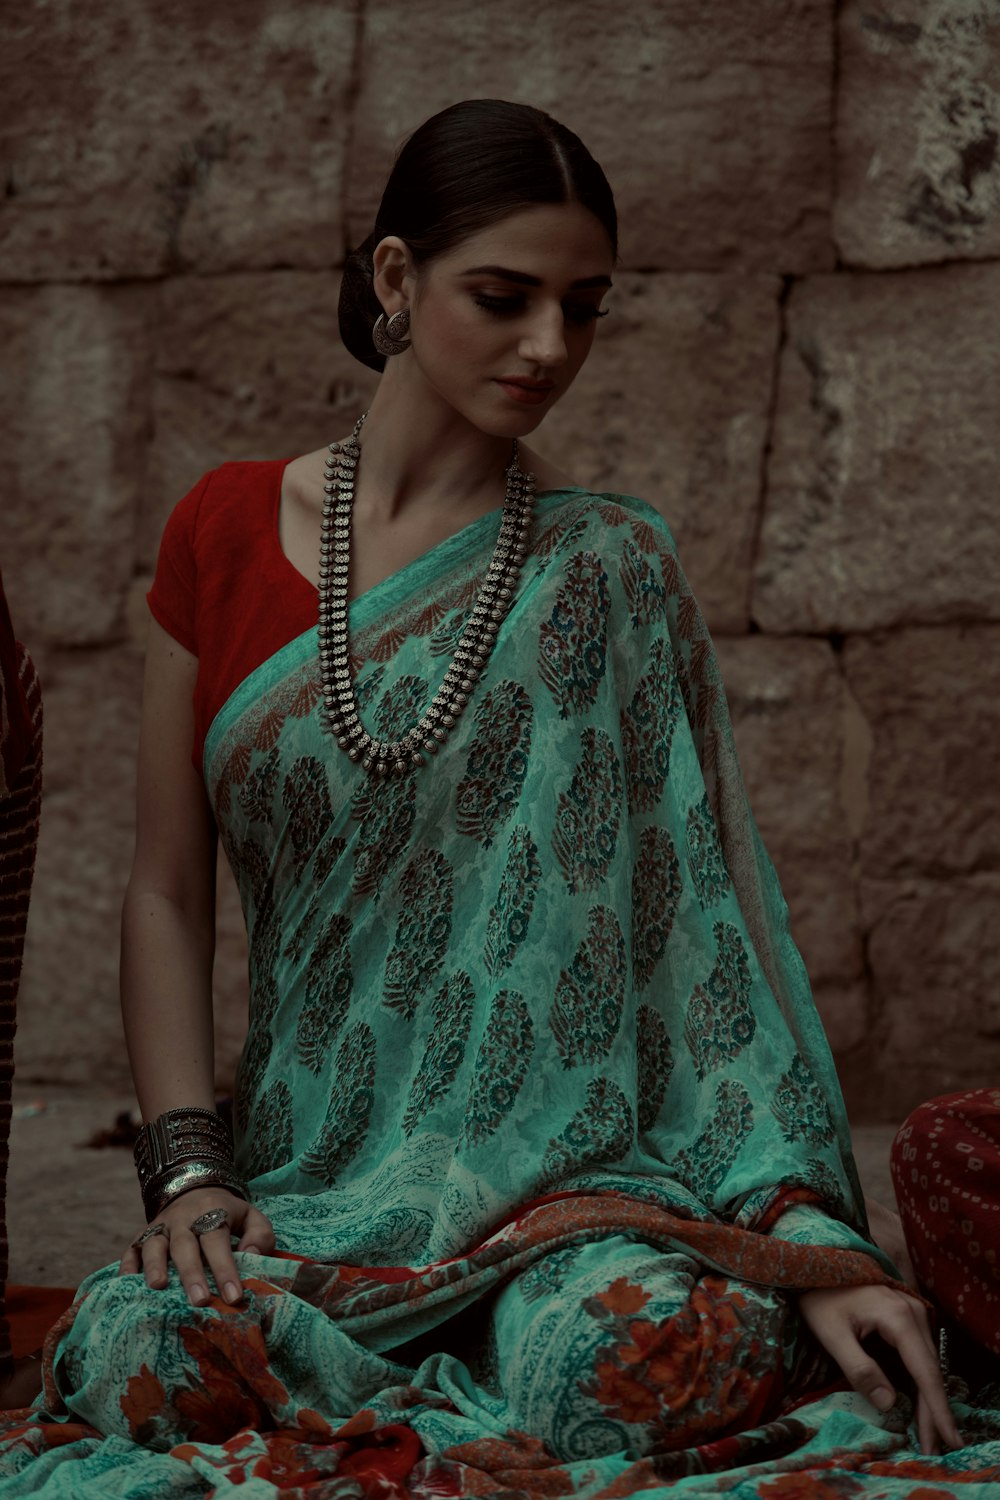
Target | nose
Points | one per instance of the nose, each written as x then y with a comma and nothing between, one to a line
543,341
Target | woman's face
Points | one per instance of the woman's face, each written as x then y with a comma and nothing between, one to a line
501,324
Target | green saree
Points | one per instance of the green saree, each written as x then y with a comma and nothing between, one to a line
534,1091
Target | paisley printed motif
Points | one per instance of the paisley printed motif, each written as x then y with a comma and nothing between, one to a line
501,1063
602,1130
822,1177
573,648
368,685
252,869
656,892
800,1107
451,1014
710,1157
351,1101
330,852
648,726
547,1276
423,930
587,1009
588,815
329,982
256,795
708,865
488,793
447,634
270,1133
295,949
654,1065
253,1063
720,1021
401,706
507,925
386,814
645,595
305,797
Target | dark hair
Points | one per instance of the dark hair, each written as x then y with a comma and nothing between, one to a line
463,169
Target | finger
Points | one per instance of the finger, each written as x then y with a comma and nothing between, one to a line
927,1432
258,1234
185,1252
130,1262
912,1340
155,1259
216,1249
863,1372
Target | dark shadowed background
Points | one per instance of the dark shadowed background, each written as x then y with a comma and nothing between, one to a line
800,371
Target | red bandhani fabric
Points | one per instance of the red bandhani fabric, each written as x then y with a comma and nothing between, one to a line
20,800
946,1171
16,729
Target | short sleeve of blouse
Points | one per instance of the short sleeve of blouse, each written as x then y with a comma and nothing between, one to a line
172,599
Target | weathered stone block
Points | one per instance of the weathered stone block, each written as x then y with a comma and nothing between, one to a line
711,121
881,494
918,119
788,708
672,406
69,1022
140,138
75,392
246,367
932,698
936,977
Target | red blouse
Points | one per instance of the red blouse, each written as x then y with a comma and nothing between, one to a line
223,588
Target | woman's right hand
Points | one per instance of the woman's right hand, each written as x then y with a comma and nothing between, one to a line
195,1255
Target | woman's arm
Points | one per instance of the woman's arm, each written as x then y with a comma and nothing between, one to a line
168,942
168,917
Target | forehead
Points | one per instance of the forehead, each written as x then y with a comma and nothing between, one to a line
552,241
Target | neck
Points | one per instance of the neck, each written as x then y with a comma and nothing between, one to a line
418,451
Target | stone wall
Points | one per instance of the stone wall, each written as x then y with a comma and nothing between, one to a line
800,371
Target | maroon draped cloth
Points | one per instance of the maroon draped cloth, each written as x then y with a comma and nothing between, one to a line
945,1163
20,799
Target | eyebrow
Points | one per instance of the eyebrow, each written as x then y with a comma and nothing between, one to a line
523,279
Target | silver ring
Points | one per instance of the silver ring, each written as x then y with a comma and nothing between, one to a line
216,1218
148,1234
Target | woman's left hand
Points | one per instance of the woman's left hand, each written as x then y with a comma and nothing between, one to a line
840,1317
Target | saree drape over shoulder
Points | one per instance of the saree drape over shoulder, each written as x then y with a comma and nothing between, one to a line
534,1091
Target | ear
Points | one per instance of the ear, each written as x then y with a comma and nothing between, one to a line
394,272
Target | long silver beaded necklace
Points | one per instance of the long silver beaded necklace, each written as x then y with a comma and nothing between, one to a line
339,714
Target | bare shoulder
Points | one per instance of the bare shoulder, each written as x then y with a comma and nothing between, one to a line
547,475
302,481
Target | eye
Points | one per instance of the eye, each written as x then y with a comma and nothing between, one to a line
501,306
584,312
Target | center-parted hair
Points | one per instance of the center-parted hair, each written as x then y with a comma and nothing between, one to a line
462,170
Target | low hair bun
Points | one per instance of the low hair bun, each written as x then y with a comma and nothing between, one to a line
358,307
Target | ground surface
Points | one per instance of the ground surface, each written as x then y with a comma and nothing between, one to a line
71,1209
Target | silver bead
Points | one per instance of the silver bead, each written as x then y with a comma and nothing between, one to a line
448,721
431,746
381,768
440,735
343,740
461,698
401,767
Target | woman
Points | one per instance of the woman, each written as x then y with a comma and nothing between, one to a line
542,1181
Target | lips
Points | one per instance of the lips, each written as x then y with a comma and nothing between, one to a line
529,392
